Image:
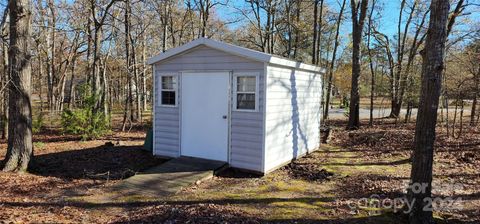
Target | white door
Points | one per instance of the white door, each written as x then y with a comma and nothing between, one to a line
204,115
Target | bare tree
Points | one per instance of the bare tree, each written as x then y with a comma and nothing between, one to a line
263,32
359,12
401,75
317,30
332,63
51,41
98,18
204,7
475,97
128,106
370,60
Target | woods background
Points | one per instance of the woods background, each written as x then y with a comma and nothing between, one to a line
92,53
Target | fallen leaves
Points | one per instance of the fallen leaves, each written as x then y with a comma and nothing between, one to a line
66,169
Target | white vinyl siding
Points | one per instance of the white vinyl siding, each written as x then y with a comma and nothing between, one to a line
293,110
246,134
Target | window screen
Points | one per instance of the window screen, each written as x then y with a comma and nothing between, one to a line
168,90
246,92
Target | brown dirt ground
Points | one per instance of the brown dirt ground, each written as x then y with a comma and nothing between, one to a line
68,175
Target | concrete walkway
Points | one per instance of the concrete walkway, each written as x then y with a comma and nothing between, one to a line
170,177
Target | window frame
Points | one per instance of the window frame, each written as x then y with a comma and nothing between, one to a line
175,89
235,92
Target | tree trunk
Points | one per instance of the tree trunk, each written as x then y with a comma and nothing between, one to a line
370,60
2,103
104,82
165,26
473,111
289,28
396,106
266,39
127,115
49,84
137,113
462,107
478,118
358,21
3,114
4,92
315,31
144,75
408,114
96,79
422,157
20,147
53,69
272,34
475,98
319,36
71,102
454,125
61,98
447,116
297,29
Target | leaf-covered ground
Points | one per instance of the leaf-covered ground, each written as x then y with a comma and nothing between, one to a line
69,179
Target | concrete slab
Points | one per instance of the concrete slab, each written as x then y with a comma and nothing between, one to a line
170,177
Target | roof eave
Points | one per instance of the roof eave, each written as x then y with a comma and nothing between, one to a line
294,64
174,51
236,50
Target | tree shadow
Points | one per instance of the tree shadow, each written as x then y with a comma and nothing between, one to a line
373,186
392,163
54,135
458,175
133,204
217,211
51,135
472,196
99,163
182,216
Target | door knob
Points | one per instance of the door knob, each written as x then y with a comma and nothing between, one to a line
224,116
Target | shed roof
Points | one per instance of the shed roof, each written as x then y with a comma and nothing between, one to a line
236,50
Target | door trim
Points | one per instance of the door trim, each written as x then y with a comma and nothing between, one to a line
229,106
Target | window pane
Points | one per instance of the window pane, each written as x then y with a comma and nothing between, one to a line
168,82
246,83
246,101
168,97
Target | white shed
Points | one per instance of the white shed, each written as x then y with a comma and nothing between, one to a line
222,102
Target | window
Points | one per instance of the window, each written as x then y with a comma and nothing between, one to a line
246,92
168,90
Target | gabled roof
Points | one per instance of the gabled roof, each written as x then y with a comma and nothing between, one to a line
236,50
